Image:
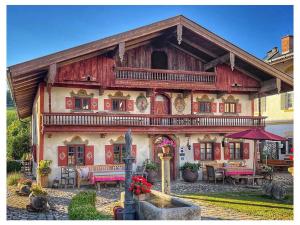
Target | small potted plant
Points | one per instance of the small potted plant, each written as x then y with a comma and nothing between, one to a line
43,171
24,186
190,171
151,169
38,198
140,188
165,144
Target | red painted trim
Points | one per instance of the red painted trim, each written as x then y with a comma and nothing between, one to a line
148,130
41,134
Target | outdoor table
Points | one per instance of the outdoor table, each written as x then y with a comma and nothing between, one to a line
231,171
246,178
106,176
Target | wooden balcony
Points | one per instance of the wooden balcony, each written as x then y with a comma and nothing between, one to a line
156,78
148,123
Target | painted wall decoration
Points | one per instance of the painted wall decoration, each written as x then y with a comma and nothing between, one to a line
141,102
179,103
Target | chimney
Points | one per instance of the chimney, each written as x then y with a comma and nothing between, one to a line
287,44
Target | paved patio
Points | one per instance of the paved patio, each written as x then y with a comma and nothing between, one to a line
109,196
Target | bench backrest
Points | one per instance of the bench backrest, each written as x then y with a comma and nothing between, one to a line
95,168
277,162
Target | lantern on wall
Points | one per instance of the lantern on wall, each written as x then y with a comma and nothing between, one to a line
188,145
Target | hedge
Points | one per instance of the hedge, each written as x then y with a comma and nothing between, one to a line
13,166
82,207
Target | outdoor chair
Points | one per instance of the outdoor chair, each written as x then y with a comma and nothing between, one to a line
68,176
214,175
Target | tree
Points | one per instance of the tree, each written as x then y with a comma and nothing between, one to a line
9,100
18,136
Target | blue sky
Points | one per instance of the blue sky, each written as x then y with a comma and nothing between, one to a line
34,31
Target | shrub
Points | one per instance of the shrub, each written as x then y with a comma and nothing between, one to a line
13,178
38,190
44,167
191,166
82,207
151,166
13,166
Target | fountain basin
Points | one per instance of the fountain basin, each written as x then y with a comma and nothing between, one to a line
160,206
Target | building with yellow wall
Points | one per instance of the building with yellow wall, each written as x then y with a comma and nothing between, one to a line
279,108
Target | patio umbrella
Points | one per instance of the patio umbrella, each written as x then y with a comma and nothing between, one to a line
256,134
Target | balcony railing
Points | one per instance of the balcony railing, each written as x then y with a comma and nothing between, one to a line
129,73
137,120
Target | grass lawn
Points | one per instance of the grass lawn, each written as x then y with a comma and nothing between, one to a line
250,203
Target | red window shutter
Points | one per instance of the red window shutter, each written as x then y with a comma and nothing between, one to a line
226,152
89,155
238,108
197,153
70,103
221,107
129,105
94,103
107,104
109,154
213,107
246,150
134,152
195,107
62,153
217,151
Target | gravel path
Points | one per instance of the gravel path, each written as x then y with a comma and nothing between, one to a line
109,196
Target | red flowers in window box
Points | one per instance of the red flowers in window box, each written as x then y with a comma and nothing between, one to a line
140,185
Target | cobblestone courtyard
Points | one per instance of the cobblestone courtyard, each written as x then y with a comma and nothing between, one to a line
109,196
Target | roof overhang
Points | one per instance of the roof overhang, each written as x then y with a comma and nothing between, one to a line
24,78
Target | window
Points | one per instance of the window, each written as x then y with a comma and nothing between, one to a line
206,150
230,108
204,107
287,100
75,155
82,103
235,150
119,153
118,104
159,60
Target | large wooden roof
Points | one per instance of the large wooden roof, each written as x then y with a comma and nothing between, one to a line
24,78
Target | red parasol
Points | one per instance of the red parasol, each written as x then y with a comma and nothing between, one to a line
256,134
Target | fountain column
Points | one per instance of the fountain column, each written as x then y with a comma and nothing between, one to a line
165,173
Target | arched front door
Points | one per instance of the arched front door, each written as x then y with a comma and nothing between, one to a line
156,150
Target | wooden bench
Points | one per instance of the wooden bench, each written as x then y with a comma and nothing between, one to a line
246,179
276,163
109,173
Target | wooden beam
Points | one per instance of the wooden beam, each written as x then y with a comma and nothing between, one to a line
247,73
51,74
187,52
215,62
179,33
199,48
138,45
83,57
269,85
232,60
121,50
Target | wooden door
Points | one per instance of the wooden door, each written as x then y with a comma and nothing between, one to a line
161,105
156,159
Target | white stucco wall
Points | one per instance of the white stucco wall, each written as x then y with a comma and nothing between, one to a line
57,139
143,148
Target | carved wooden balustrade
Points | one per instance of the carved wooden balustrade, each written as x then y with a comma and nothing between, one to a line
142,120
129,73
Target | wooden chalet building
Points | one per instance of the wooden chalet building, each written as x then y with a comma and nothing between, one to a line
172,79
